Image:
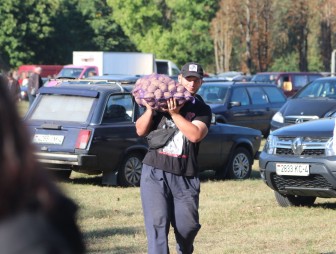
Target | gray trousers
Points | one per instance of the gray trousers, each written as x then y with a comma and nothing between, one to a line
169,199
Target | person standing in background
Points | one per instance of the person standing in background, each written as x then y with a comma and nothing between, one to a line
35,216
23,81
13,86
34,83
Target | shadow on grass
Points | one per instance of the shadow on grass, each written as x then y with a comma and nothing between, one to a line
96,180
86,180
112,231
327,205
105,233
210,175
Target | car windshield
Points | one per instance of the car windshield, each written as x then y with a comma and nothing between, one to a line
70,72
63,108
269,77
213,94
319,88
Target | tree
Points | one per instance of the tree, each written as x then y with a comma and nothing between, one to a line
85,25
173,29
222,31
25,25
46,32
324,11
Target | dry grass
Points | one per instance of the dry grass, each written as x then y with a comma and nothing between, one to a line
236,217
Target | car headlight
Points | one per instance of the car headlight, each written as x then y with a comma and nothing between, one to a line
330,149
270,144
278,117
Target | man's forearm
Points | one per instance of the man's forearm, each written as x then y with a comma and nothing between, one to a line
194,131
144,123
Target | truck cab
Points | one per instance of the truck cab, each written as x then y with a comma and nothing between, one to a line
77,71
166,67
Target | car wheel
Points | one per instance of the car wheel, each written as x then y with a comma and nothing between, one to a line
130,170
291,200
240,166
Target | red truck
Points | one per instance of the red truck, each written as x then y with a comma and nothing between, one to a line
48,71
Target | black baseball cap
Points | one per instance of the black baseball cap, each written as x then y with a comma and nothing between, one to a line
192,70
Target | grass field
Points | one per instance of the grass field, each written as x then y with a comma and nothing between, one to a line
236,217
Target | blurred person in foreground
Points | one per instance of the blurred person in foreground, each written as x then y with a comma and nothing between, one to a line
35,216
34,83
170,185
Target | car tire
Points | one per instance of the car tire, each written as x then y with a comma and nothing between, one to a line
240,165
291,200
129,173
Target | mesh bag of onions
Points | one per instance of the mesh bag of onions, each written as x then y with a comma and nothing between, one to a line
156,89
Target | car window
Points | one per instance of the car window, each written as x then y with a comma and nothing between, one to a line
240,94
274,95
213,94
321,88
63,108
70,72
119,108
269,77
257,95
313,77
299,80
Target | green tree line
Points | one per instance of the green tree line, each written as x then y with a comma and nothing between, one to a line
223,35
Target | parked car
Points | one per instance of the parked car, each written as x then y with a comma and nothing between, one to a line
298,162
316,100
90,128
243,103
289,82
229,75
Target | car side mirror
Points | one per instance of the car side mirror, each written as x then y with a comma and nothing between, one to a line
234,104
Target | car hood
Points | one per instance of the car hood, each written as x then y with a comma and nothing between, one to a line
308,106
317,128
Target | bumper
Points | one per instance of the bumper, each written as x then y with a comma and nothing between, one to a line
63,160
321,181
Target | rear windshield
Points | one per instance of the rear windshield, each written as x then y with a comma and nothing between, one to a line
63,108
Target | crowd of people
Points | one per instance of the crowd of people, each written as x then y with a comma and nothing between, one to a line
31,80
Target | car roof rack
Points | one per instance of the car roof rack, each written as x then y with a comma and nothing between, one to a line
72,81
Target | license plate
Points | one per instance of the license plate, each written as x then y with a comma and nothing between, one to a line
292,169
48,139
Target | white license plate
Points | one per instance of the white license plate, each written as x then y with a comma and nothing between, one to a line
48,139
292,169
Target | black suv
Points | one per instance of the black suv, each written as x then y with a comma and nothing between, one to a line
87,127
314,101
243,103
298,162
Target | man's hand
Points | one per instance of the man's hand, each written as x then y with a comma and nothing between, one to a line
173,107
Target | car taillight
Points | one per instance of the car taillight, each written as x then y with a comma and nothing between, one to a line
83,139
